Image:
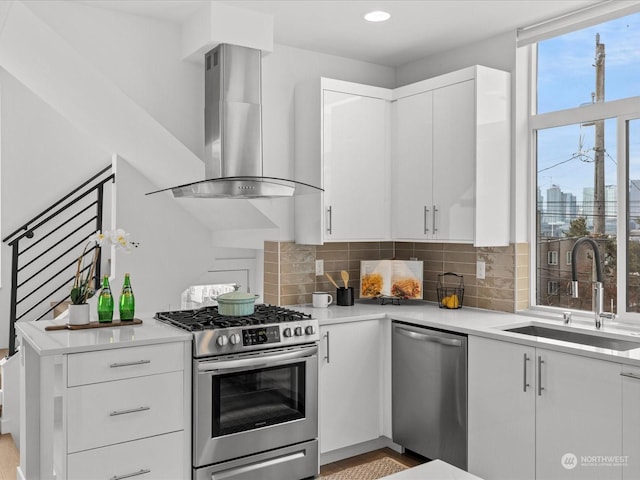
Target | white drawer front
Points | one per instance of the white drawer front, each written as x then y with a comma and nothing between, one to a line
106,413
157,458
119,363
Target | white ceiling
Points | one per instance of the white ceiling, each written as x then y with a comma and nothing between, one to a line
417,28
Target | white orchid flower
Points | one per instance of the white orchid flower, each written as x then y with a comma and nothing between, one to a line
98,237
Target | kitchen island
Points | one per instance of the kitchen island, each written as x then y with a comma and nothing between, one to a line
88,396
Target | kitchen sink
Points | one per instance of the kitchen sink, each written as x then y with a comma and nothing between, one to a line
576,337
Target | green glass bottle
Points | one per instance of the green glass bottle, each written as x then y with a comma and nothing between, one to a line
127,300
105,302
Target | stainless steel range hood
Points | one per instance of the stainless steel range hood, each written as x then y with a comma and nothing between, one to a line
233,131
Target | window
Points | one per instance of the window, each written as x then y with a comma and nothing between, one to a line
585,127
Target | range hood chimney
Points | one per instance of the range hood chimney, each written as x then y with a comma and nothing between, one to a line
233,131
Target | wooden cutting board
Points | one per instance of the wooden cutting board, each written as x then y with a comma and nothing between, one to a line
66,326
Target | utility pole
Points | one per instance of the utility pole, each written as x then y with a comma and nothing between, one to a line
598,176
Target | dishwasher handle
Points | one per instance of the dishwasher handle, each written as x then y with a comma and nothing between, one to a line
450,342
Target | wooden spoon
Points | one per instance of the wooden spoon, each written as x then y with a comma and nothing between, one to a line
331,279
345,277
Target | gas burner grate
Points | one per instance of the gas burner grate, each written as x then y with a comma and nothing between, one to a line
208,318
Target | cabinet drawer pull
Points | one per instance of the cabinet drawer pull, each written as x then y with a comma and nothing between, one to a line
129,475
426,214
524,376
435,210
130,410
630,375
327,355
129,364
540,387
330,219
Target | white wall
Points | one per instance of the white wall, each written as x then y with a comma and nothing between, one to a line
495,52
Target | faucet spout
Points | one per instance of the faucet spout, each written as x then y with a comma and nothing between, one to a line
598,291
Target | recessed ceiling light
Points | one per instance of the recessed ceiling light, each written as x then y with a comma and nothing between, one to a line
377,16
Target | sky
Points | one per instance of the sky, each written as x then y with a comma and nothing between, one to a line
566,79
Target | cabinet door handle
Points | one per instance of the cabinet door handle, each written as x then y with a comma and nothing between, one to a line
540,387
326,357
426,214
435,210
128,364
329,220
129,475
130,410
524,376
630,375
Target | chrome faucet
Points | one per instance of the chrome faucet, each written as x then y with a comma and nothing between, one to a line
598,291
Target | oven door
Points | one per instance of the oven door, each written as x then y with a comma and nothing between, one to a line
249,403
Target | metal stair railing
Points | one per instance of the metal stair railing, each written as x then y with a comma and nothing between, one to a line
45,251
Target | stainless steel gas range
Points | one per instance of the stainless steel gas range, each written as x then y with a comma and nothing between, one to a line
255,393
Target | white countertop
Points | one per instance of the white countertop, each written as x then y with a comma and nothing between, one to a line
57,342
485,323
433,470
471,321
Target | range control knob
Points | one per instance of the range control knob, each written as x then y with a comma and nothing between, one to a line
287,332
310,330
298,331
234,338
222,340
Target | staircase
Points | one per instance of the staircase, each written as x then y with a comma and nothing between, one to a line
45,251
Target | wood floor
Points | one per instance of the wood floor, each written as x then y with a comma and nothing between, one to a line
9,457
406,459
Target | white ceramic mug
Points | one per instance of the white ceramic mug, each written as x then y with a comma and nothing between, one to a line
322,299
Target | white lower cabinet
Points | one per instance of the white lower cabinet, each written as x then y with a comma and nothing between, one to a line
541,414
125,414
159,458
631,422
350,387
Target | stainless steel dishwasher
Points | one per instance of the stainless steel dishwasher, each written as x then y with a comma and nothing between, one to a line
429,399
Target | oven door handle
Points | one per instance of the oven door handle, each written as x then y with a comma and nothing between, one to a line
261,361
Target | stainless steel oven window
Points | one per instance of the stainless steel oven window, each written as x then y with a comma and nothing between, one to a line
259,398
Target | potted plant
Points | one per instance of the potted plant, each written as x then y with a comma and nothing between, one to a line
83,282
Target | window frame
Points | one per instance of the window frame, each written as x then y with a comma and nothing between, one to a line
622,110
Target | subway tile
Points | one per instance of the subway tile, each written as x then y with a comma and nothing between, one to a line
503,271
355,246
271,278
295,299
332,255
271,247
271,257
460,268
386,253
496,293
498,305
297,289
495,259
333,247
404,245
298,278
461,257
509,249
296,247
297,257
336,265
297,268
522,248
271,299
459,247
499,282
428,247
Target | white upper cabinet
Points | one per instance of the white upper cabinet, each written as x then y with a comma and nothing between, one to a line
428,161
342,145
451,158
